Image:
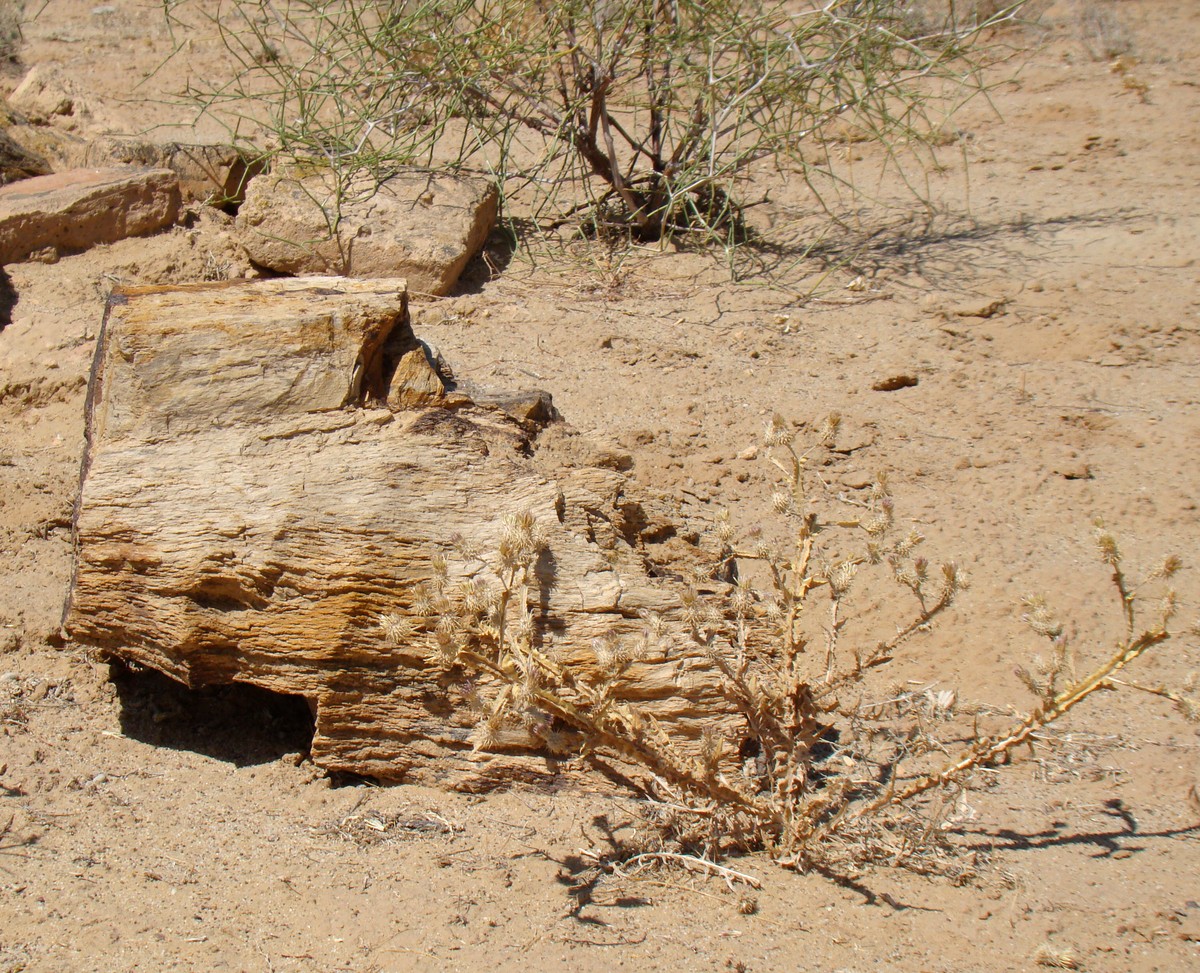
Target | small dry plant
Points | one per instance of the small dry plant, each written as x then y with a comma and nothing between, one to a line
12,13
1103,34
823,769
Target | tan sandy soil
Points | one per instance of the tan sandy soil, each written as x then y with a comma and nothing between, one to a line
144,827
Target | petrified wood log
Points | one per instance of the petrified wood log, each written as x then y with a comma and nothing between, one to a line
271,466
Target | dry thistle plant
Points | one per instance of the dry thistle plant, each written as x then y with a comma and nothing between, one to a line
822,774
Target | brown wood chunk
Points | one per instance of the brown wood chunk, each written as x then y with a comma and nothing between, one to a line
270,468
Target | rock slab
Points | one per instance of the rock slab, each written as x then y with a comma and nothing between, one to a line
420,225
272,466
212,173
44,94
18,162
58,149
80,208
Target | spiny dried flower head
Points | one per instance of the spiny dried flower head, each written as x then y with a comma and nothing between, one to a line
1041,617
1166,607
608,653
827,434
1029,681
522,539
905,572
696,613
656,626
1106,544
450,624
397,629
469,690
476,596
765,550
1186,702
912,540
641,646
741,599
840,577
422,603
446,639
1056,957
778,432
954,580
487,731
1168,567
724,529
650,641
881,521
523,625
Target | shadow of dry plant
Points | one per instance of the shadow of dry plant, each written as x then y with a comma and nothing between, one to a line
828,774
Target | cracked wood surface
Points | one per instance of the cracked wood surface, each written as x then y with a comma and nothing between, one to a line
251,504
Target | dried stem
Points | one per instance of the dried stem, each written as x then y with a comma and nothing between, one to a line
817,774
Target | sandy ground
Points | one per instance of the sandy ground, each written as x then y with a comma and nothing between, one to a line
146,827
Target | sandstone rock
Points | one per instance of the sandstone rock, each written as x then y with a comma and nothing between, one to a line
984,309
1068,464
18,162
420,225
271,467
415,382
57,148
210,173
44,94
80,208
524,405
893,383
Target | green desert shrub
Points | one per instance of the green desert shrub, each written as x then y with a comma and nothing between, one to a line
641,116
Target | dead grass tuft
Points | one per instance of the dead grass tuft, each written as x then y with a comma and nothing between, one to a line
1057,957
368,828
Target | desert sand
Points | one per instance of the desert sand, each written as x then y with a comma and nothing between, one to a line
1046,321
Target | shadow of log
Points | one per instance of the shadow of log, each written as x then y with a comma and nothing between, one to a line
8,299
239,724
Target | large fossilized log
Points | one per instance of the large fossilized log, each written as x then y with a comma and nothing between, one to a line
271,466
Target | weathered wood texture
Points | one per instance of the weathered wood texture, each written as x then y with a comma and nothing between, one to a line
251,504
